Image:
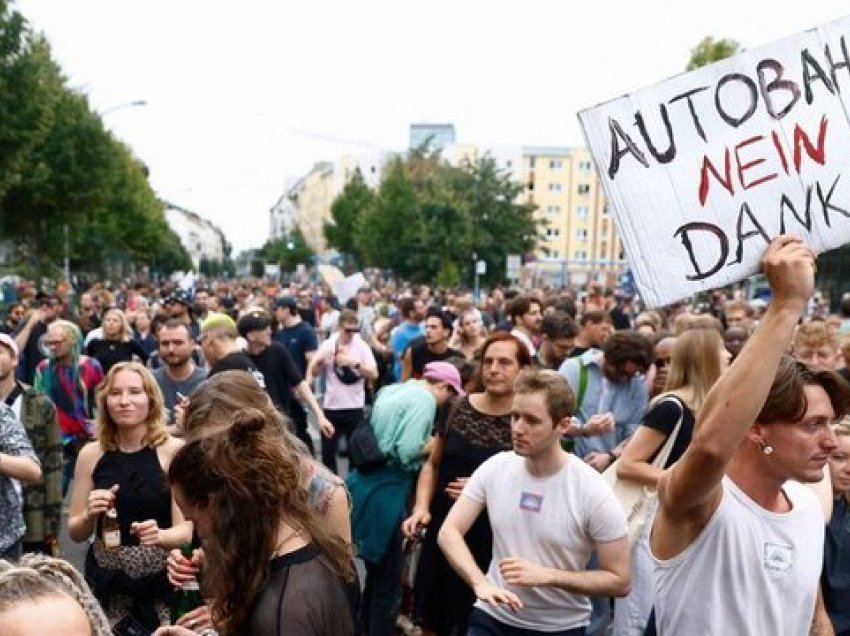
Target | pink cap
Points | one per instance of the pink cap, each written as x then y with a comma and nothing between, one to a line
444,372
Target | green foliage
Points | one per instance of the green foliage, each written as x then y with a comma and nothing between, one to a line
63,175
354,201
711,50
429,218
288,251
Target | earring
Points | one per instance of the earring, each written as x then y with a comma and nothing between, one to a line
766,448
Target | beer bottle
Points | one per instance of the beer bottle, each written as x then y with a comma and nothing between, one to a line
110,528
188,596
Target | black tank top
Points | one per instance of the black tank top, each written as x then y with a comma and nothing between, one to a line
144,492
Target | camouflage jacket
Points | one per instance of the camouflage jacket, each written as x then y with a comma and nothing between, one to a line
42,501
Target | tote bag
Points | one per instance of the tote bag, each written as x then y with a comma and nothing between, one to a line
635,498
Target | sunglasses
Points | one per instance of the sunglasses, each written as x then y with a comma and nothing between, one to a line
660,363
352,330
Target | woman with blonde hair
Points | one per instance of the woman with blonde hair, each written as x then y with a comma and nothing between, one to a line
41,594
271,563
124,471
117,343
699,357
469,336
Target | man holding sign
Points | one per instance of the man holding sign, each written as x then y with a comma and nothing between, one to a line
737,545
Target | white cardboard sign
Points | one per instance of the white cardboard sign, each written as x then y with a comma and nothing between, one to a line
702,170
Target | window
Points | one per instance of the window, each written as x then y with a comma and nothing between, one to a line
555,164
554,187
552,232
583,188
582,211
553,210
584,166
581,234
531,162
554,254
581,255
509,164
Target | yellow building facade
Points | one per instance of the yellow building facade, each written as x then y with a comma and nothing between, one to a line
579,242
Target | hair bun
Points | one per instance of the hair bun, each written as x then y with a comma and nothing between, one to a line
246,423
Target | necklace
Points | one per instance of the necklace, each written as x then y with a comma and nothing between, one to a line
279,547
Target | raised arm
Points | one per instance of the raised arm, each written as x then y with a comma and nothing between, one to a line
690,491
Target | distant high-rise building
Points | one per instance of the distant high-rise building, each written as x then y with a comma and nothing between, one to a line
437,136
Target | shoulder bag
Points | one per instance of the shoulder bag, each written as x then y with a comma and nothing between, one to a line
636,498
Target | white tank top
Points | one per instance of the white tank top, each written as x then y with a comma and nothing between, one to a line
749,572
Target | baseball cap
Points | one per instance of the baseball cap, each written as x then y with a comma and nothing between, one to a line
7,341
255,319
444,372
178,296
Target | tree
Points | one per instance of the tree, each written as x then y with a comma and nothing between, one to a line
67,186
502,226
710,50
428,218
354,201
288,251
385,233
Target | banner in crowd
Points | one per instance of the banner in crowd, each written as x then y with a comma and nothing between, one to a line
702,170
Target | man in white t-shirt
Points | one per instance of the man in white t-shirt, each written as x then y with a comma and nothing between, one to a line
738,545
548,511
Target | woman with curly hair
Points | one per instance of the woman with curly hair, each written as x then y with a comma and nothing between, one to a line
271,564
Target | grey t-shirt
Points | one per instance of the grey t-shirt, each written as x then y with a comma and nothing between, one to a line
170,388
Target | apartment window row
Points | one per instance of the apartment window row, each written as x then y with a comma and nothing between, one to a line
552,232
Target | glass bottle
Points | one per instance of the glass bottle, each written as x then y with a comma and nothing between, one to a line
188,596
110,528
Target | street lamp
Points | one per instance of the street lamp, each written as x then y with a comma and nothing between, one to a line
133,104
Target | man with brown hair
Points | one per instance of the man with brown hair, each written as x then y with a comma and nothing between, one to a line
548,512
738,545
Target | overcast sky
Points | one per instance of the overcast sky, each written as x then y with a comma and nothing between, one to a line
241,96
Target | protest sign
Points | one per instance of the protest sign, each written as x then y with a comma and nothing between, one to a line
702,170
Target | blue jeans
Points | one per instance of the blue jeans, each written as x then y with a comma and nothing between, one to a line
382,594
482,624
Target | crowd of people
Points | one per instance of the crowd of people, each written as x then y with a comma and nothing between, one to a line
470,456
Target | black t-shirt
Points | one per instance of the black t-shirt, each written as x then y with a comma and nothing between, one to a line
420,355
111,352
663,416
238,361
280,374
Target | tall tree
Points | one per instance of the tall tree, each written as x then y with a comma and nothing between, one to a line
355,200
386,232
